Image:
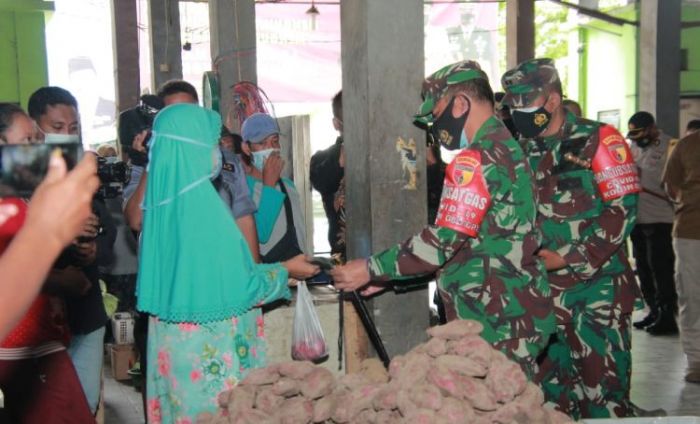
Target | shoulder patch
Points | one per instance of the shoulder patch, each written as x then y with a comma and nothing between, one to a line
465,195
228,167
613,166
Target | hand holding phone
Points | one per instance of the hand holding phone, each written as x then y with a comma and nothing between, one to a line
326,264
62,202
23,167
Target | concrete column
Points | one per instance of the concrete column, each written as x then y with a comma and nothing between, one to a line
383,67
659,62
520,31
233,44
166,47
125,42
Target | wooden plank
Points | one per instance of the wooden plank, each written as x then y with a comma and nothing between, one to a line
520,31
355,342
166,45
233,48
125,42
296,152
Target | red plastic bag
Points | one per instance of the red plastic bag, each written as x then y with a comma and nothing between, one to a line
308,343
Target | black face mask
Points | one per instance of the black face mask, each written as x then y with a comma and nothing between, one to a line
511,128
447,130
643,139
643,142
531,123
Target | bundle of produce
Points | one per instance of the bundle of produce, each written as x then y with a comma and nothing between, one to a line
455,377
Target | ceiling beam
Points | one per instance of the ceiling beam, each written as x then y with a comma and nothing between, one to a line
597,14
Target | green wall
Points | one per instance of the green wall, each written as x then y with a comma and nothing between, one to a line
608,63
23,63
690,39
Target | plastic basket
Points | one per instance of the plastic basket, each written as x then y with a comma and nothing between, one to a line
123,328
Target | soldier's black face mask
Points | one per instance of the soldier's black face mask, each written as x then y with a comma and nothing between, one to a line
448,130
642,137
530,122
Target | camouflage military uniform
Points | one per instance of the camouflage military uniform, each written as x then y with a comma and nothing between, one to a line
495,277
587,367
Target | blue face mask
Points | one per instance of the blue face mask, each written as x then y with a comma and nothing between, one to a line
258,158
51,138
218,159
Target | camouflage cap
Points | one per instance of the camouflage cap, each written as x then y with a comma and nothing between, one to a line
436,85
524,83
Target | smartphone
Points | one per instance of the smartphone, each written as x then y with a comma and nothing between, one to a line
24,166
322,278
326,264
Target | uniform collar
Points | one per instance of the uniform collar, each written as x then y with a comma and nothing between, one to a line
490,126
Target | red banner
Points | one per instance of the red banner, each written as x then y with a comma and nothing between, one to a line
613,166
465,196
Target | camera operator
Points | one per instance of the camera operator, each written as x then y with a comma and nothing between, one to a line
55,112
120,274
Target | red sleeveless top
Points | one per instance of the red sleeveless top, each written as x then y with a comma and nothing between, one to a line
45,319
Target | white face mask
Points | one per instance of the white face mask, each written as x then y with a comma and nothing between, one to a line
50,138
261,156
218,162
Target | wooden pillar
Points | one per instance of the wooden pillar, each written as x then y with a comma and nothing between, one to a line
296,152
233,44
520,31
660,62
383,68
166,46
125,42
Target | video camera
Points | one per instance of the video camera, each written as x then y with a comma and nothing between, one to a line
113,175
135,120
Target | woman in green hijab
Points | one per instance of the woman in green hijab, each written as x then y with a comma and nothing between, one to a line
196,275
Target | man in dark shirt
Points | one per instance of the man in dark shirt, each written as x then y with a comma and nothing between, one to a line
327,172
55,112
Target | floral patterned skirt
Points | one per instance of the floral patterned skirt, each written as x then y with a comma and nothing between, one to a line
190,364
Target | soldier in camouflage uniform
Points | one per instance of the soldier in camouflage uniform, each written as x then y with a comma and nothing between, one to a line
482,247
587,208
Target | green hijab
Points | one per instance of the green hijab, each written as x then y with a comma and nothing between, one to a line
194,264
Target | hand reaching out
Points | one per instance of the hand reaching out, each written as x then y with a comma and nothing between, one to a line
300,268
91,228
351,276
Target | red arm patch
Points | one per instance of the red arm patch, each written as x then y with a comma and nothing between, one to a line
613,166
465,196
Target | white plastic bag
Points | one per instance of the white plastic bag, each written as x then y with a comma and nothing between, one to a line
308,343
